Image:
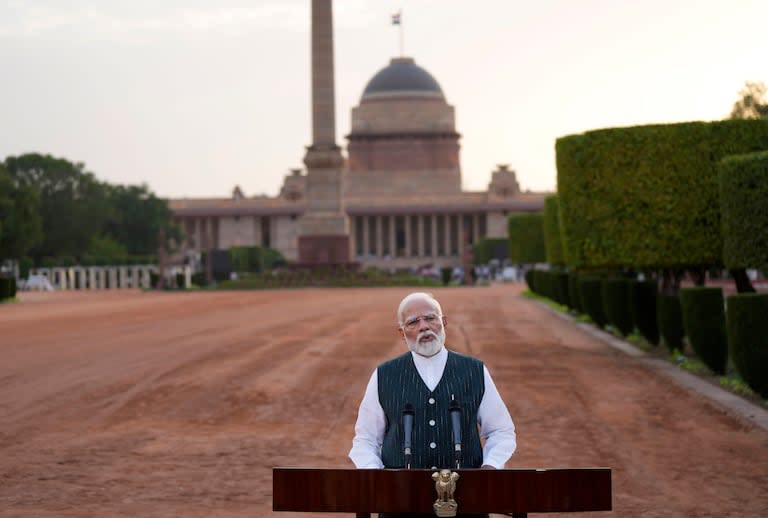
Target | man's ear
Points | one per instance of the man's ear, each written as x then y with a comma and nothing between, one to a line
445,321
401,332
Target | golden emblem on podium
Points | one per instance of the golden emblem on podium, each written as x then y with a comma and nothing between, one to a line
445,485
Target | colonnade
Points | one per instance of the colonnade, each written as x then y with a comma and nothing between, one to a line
428,236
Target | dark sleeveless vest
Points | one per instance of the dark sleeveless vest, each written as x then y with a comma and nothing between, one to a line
400,383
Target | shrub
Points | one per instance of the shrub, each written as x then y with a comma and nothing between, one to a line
198,279
669,318
559,280
573,292
530,281
619,192
552,242
744,208
748,338
445,275
5,288
526,238
642,306
615,295
704,323
590,294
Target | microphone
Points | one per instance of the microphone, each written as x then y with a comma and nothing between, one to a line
408,432
455,412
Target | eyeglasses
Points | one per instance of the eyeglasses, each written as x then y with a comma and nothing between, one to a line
430,319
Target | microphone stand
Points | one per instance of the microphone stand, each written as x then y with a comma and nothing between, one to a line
408,415
455,413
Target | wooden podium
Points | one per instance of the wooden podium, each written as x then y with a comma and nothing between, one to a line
507,491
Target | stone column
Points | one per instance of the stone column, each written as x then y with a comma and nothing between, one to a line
391,237
434,236
460,235
476,227
447,236
421,234
379,238
407,222
366,236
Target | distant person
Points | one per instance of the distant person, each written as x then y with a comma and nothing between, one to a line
428,378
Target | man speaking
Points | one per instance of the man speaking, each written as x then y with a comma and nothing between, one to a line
423,408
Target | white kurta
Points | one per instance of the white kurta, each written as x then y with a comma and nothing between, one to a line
496,427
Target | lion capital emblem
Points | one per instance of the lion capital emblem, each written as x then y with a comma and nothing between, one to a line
445,485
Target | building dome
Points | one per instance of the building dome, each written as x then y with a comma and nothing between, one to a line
402,77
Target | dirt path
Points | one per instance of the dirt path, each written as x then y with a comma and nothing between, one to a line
161,404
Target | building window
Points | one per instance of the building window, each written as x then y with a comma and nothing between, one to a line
428,235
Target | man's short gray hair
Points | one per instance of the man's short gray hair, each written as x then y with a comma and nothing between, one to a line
418,295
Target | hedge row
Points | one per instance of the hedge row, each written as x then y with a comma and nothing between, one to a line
699,313
744,206
526,238
552,241
619,192
7,288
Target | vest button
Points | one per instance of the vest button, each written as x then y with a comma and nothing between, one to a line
432,445
431,401
431,422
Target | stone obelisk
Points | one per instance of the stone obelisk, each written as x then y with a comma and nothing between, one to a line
323,231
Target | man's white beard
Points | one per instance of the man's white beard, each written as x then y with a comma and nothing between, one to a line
430,348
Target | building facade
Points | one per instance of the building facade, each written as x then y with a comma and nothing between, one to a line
400,187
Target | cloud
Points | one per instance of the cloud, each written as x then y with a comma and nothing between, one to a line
143,20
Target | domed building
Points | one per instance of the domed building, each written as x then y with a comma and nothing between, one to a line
401,187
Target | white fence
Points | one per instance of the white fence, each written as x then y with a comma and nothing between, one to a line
108,277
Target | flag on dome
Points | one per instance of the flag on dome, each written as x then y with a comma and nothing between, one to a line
396,18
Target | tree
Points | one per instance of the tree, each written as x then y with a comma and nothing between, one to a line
136,218
73,205
20,223
752,102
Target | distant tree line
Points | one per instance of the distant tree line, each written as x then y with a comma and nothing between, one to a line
53,211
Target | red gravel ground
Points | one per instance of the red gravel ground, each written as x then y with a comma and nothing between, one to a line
179,404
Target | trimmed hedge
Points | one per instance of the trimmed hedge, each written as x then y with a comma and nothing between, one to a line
530,280
488,248
526,238
669,316
541,282
573,292
559,280
552,242
590,296
744,207
748,338
642,307
619,192
704,323
6,288
615,295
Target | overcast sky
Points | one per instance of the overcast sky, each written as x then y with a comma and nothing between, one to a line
194,97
